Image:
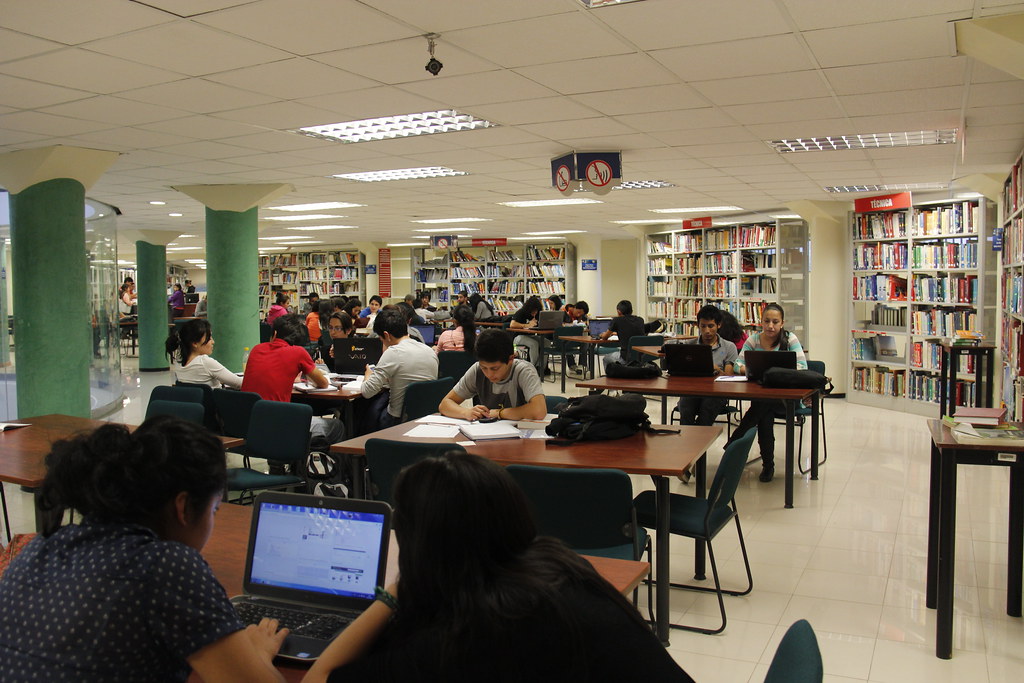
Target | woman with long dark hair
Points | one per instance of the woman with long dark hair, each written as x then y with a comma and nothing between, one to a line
527,318
482,598
482,309
189,348
462,337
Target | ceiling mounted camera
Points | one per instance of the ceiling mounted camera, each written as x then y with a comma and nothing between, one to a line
434,66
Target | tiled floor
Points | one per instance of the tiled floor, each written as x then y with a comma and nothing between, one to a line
850,558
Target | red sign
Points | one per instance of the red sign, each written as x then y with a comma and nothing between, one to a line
695,223
384,272
496,242
884,202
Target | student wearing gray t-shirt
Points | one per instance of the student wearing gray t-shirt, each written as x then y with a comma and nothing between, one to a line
504,386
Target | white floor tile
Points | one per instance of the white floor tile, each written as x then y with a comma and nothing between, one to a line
895,662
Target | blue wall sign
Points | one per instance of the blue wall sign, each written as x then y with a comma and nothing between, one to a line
371,270
588,264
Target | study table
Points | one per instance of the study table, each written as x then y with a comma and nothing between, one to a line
225,553
23,450
946,454
746,391
659,455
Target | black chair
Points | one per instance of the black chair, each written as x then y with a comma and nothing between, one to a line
386,458
797,659
3,503
454,364
211,420
176,393
279,433
193,412
628,354
266,331
235,408
423,398
702,518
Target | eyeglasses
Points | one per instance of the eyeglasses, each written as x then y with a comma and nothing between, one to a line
336,329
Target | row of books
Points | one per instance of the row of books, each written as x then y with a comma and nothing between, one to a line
469,286
750,262
1013,291
502,255
459,256
508,287
688,241
880,256
553,270
472,271
757,284
719,263
721,286
660,287
283,277
325,289
545,253
942,322
878,226
1013,241
659,247
878,347
504,306
924,387
1013,190
686,309
546,287
958,289
890,316
339,273
880,380
879,288
762,235
961,218
927,355
751,312
505,271
720,239
950,254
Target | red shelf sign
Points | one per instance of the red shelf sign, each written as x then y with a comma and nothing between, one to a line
493,242
697,223
384,272
883,202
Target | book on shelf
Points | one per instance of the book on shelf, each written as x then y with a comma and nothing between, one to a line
1004,435
977,416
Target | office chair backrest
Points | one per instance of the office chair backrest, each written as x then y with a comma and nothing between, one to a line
566,331
279,432
730,471
386,458
585,508
553,402
454,364
816,366
235,409
193,412
176,393
211,419
629,354
423,398
797,659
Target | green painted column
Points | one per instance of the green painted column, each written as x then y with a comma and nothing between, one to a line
232,284
151,282
5,338
52,348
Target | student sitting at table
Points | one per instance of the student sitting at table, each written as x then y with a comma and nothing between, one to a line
482,597
704,410
189,348
403,362
627,326
481,307
311,304
501,385
462,337
526,318
339,326
125,595
772,337
730,329
279,308
273,366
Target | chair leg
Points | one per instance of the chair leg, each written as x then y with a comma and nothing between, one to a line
717,590
7,519
824,440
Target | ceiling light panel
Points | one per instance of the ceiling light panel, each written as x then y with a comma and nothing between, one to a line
697,209
289,238
401,174
401,126
311,228
554,232
550,202
305,217
831,143
443,231
890,187
452,220
649,221
319,206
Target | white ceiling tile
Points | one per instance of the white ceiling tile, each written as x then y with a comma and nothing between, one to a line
48,124
531,111
731,59
210,166
814,14
128,139
281,115
440,17
18,137
656,24
373,102
1001,132
306,27
933,72
921,120
764,88
115,110
904,101
881,42
87,71
992,116
638,100
729,149
203,127
188,8
795,110
540,40
985,73
558,130
801,129
292,79
73,23
482,88
599,74
187,48
682,120
403,61
24,94
197,95
15,45
205,150
624,143
995,94
274,141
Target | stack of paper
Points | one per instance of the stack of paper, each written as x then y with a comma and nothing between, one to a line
502,429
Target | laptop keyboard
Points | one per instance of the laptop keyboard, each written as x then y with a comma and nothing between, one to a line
321,626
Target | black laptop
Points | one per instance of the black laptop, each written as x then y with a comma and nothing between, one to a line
427,331
599,326
689,360
313,564
352,355
759,361
549,320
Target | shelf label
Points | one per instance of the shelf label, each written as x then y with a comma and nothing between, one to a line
1006,457
371,270
493,242
997,239
696,223
883,202
588,264
384,272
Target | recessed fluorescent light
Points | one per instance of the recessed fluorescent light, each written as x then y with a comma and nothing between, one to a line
319,206
890,186
306,217
175,215
195,260
406,244
401,174
831,143
553,232
157,203
288,237
452,220
551,202
321,227
785,215
183,248
299,244
181,236
125,263
633,185
442,231
594,4
273,248
649,221
401,126
697,209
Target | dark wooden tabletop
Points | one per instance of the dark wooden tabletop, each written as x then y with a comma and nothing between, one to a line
694,386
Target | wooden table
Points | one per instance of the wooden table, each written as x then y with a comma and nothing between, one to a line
660,456
746,391
226,549
588,346
313,398
946,454
23,450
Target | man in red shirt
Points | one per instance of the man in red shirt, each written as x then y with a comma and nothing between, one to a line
273,366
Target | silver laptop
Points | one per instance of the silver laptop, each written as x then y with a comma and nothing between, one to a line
549,320
313,564
599,326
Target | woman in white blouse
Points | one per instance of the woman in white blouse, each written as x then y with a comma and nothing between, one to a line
189,349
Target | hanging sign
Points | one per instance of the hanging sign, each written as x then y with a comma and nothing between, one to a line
444,242
696,223
563,173
384,274
884,202
598,172
494,242
371,270
588,264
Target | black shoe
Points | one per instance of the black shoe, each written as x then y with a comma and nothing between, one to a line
767,472
547,371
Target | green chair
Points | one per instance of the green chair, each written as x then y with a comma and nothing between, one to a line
193,412
423,398
629,354
386,458
562,348
702,518
552,402
176,393
279,433
211,420
797,659
590,510
454,364
235,409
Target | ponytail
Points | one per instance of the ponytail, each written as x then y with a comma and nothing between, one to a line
465,319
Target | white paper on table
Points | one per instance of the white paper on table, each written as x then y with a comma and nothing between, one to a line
354,385
731,378
534,434
429,431
441,420
466,443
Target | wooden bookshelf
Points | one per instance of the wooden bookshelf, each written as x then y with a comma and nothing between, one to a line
328,273
1011,300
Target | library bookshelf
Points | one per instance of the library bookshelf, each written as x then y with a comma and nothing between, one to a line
1011,301
504,275
919,274
738,267
298,274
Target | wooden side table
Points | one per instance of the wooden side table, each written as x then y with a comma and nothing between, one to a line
984,364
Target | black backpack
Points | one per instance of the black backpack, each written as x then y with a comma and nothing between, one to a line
787,378
599,417
633,369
